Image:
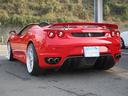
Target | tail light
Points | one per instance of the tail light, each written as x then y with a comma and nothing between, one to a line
115,33
60,34
51,34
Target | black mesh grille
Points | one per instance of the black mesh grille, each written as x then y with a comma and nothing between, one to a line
88,34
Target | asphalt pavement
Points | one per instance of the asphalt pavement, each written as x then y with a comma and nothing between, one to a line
15,81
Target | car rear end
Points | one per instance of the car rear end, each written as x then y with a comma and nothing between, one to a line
80,45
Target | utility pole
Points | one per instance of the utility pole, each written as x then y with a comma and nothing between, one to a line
98,11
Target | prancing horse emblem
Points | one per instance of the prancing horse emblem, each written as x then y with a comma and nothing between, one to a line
89,34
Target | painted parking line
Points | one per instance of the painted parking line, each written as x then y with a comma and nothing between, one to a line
124,53
2,54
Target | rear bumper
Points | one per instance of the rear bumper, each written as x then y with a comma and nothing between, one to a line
76,62
70,48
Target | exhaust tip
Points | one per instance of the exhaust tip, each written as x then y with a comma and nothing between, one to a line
56,60
117,56
52,60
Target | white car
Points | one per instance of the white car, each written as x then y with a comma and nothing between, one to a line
124,39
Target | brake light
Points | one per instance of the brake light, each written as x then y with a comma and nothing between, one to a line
51,34
115,33
60,34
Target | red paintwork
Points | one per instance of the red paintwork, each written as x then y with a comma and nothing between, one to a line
65,46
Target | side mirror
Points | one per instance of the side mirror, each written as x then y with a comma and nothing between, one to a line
12,33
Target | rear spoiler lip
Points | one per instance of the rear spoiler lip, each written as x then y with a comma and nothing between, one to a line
111,26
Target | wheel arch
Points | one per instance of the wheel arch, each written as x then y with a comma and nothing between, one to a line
30,43
34,44
9,42
124,43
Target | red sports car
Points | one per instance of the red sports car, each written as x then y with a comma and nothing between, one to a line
75,45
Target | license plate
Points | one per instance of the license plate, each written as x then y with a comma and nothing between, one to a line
92,51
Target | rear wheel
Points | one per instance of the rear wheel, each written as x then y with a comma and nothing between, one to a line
104,63
32,60
9,52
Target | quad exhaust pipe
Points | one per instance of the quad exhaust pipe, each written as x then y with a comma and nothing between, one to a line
52,60
117,56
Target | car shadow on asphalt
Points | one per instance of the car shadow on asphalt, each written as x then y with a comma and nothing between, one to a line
18,70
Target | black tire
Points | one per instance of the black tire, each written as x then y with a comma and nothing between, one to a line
10,53
35,67
122,43
104,63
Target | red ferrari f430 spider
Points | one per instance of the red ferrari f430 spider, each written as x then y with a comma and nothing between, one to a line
75,45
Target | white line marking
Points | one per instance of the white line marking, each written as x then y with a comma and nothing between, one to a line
124,53
3,55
